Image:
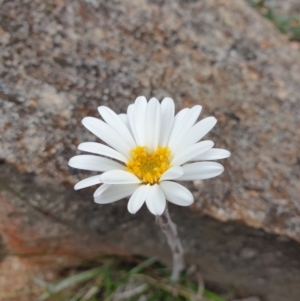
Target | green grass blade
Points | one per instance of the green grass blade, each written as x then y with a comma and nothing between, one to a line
148,262
210,295
69,281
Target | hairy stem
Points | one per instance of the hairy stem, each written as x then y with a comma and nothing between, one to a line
170,231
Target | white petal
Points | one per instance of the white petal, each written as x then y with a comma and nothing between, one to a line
177,120
88,182
107,134
119,177
101,149
138,198
131,121
172,173
153,124
176,193
124,118
114,193
140,106
191,152
197,132
95,163
185,124
101,189
156,200
178,117
167,118
112,119
201,171
213,154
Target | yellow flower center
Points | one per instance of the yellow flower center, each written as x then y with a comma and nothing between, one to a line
149,167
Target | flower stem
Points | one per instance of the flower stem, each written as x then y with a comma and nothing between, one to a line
170,231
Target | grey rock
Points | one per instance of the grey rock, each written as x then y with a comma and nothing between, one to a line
59,60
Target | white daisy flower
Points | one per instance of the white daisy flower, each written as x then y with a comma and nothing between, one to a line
147,149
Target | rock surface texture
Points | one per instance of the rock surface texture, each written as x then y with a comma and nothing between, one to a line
60,60
290,7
